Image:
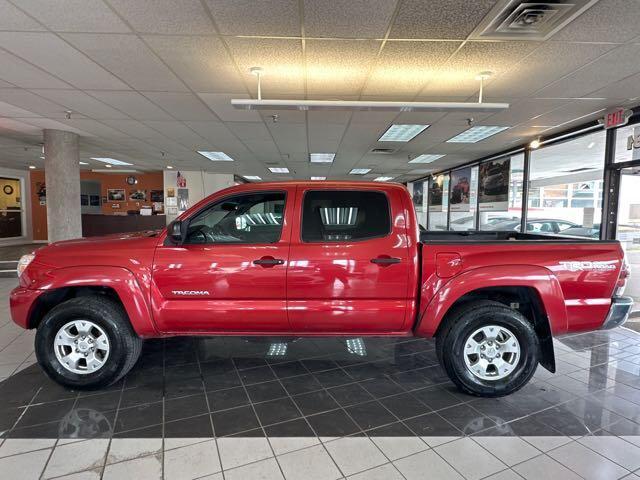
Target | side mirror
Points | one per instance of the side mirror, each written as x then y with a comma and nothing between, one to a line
177,232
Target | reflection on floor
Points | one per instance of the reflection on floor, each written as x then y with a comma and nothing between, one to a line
320,408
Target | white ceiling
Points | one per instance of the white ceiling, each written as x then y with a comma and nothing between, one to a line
149,81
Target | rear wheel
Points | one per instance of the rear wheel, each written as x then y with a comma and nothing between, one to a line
87,343
488,349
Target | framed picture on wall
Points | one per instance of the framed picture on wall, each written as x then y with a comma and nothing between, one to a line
115,195
84,200
157,196
138,195
94,200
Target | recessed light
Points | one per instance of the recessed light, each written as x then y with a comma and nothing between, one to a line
359,171
402,132
278,170
535,143
383,179
216,156
83,163
110,161
32,167
41,158
477,133
318,178
169,167
252,177
426,158
108,166
321,157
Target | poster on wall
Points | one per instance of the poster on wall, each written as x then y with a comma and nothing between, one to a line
138,195
493,185
115,195
183,199
418,194
181,180
157,196
436,187
460,190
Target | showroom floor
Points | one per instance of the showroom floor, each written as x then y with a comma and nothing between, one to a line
319,408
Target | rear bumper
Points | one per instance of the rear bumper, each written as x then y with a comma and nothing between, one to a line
21,302
618,312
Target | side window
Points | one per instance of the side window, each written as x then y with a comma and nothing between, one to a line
247,218
332,216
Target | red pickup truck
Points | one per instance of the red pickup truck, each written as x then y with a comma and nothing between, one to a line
323,259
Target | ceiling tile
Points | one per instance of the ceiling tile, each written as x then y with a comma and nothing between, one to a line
31,102
256,17
218,135
133,104
439,18
335,18
57,57
12,18
177,131
75,16
183,106
339,67
80,102
165,16
19,72
281,60
139,67
201,62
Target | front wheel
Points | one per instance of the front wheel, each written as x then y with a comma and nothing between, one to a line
87,343
488,349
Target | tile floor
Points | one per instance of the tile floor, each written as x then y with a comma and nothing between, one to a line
232,408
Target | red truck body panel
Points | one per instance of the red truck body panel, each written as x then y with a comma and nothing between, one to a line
321,288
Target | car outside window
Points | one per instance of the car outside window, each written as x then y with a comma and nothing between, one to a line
343,216
247,218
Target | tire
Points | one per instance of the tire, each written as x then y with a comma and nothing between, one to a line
462,333
118,355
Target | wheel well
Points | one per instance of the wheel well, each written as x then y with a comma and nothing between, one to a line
50,299
525,300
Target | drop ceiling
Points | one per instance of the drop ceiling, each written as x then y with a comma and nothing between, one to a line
149,82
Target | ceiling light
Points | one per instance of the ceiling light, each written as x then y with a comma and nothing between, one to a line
41,158
534,143
321,157
32,167
477,133
383,179
359,171
108,166
358,105
216,156
169,167
252,177
402,133
426,158
591,145
83,163
318,178
110,161
278,170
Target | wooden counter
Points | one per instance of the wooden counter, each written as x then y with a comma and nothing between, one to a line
94,225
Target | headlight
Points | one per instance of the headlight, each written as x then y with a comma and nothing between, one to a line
24,262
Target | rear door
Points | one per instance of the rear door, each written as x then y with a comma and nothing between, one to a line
230,274
349,261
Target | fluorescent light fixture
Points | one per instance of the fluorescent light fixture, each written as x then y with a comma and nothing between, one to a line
110,161
32,167
402,132
321,157
169,167
426,158
359,171
278,170
83,163
108,166
477,133
216,156
383,179
318,178
252,177
534,143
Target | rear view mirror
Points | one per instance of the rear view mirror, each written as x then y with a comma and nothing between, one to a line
228,207
176,232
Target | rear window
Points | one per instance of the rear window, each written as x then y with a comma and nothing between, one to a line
335,216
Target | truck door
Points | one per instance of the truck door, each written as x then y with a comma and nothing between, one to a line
349,261
230,273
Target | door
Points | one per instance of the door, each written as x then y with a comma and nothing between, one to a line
10,208
230,273
349,262
628,229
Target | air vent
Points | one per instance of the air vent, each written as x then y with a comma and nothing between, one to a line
522,20
383,151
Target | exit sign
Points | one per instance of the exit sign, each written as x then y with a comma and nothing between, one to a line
615,118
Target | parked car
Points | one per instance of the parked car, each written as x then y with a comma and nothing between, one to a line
548,226
342,259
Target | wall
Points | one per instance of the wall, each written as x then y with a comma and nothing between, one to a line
146,181
199,184
23,175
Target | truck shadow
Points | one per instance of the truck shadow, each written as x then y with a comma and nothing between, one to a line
282,387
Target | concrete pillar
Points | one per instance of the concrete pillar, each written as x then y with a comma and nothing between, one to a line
62,178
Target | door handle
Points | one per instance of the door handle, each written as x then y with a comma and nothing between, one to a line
385,260
268,261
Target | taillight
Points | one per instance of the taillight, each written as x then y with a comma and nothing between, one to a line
625,272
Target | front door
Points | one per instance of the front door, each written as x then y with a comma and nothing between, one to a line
349,262
230,273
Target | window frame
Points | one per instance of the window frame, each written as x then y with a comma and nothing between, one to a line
357,240
227,197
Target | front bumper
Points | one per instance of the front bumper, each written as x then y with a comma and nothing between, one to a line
618,312
21,301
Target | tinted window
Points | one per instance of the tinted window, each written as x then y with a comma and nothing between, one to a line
248,218
330,216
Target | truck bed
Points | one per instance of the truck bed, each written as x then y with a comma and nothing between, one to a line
496,236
